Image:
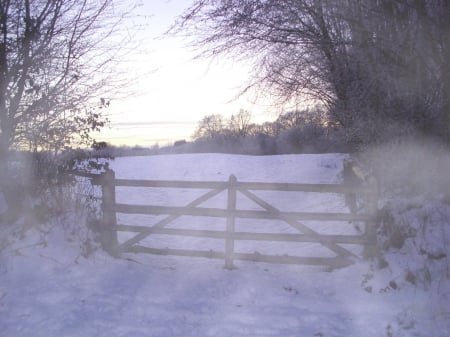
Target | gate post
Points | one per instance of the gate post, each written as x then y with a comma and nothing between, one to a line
372,209
109,221
231,207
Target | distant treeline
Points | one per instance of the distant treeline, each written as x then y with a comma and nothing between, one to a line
305,131
301,131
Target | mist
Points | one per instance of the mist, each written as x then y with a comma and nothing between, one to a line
410,167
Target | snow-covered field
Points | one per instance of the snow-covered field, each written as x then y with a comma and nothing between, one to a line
47,287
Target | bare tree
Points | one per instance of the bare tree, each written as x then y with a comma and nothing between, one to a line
371,63
209,127
240,124
288,40
57,63
300,118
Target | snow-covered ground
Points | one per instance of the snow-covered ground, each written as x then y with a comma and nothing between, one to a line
48,288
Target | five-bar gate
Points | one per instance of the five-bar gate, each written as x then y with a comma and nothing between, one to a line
232,187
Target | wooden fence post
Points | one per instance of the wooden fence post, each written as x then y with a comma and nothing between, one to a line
231,207
351,180
108,232
372,209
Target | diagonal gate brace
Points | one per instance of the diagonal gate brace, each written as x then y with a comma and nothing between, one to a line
164,222
340,251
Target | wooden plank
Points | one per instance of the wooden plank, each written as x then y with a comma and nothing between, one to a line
172,184
176,252
336,262
292,187
248,236
231,208
243,214
322,239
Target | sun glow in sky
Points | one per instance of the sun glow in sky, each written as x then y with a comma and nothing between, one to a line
174,91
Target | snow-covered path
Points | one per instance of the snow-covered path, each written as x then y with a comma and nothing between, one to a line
186,298
50,290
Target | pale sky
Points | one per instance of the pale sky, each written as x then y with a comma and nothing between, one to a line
176,91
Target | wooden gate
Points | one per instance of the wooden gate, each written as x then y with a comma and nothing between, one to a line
343,256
